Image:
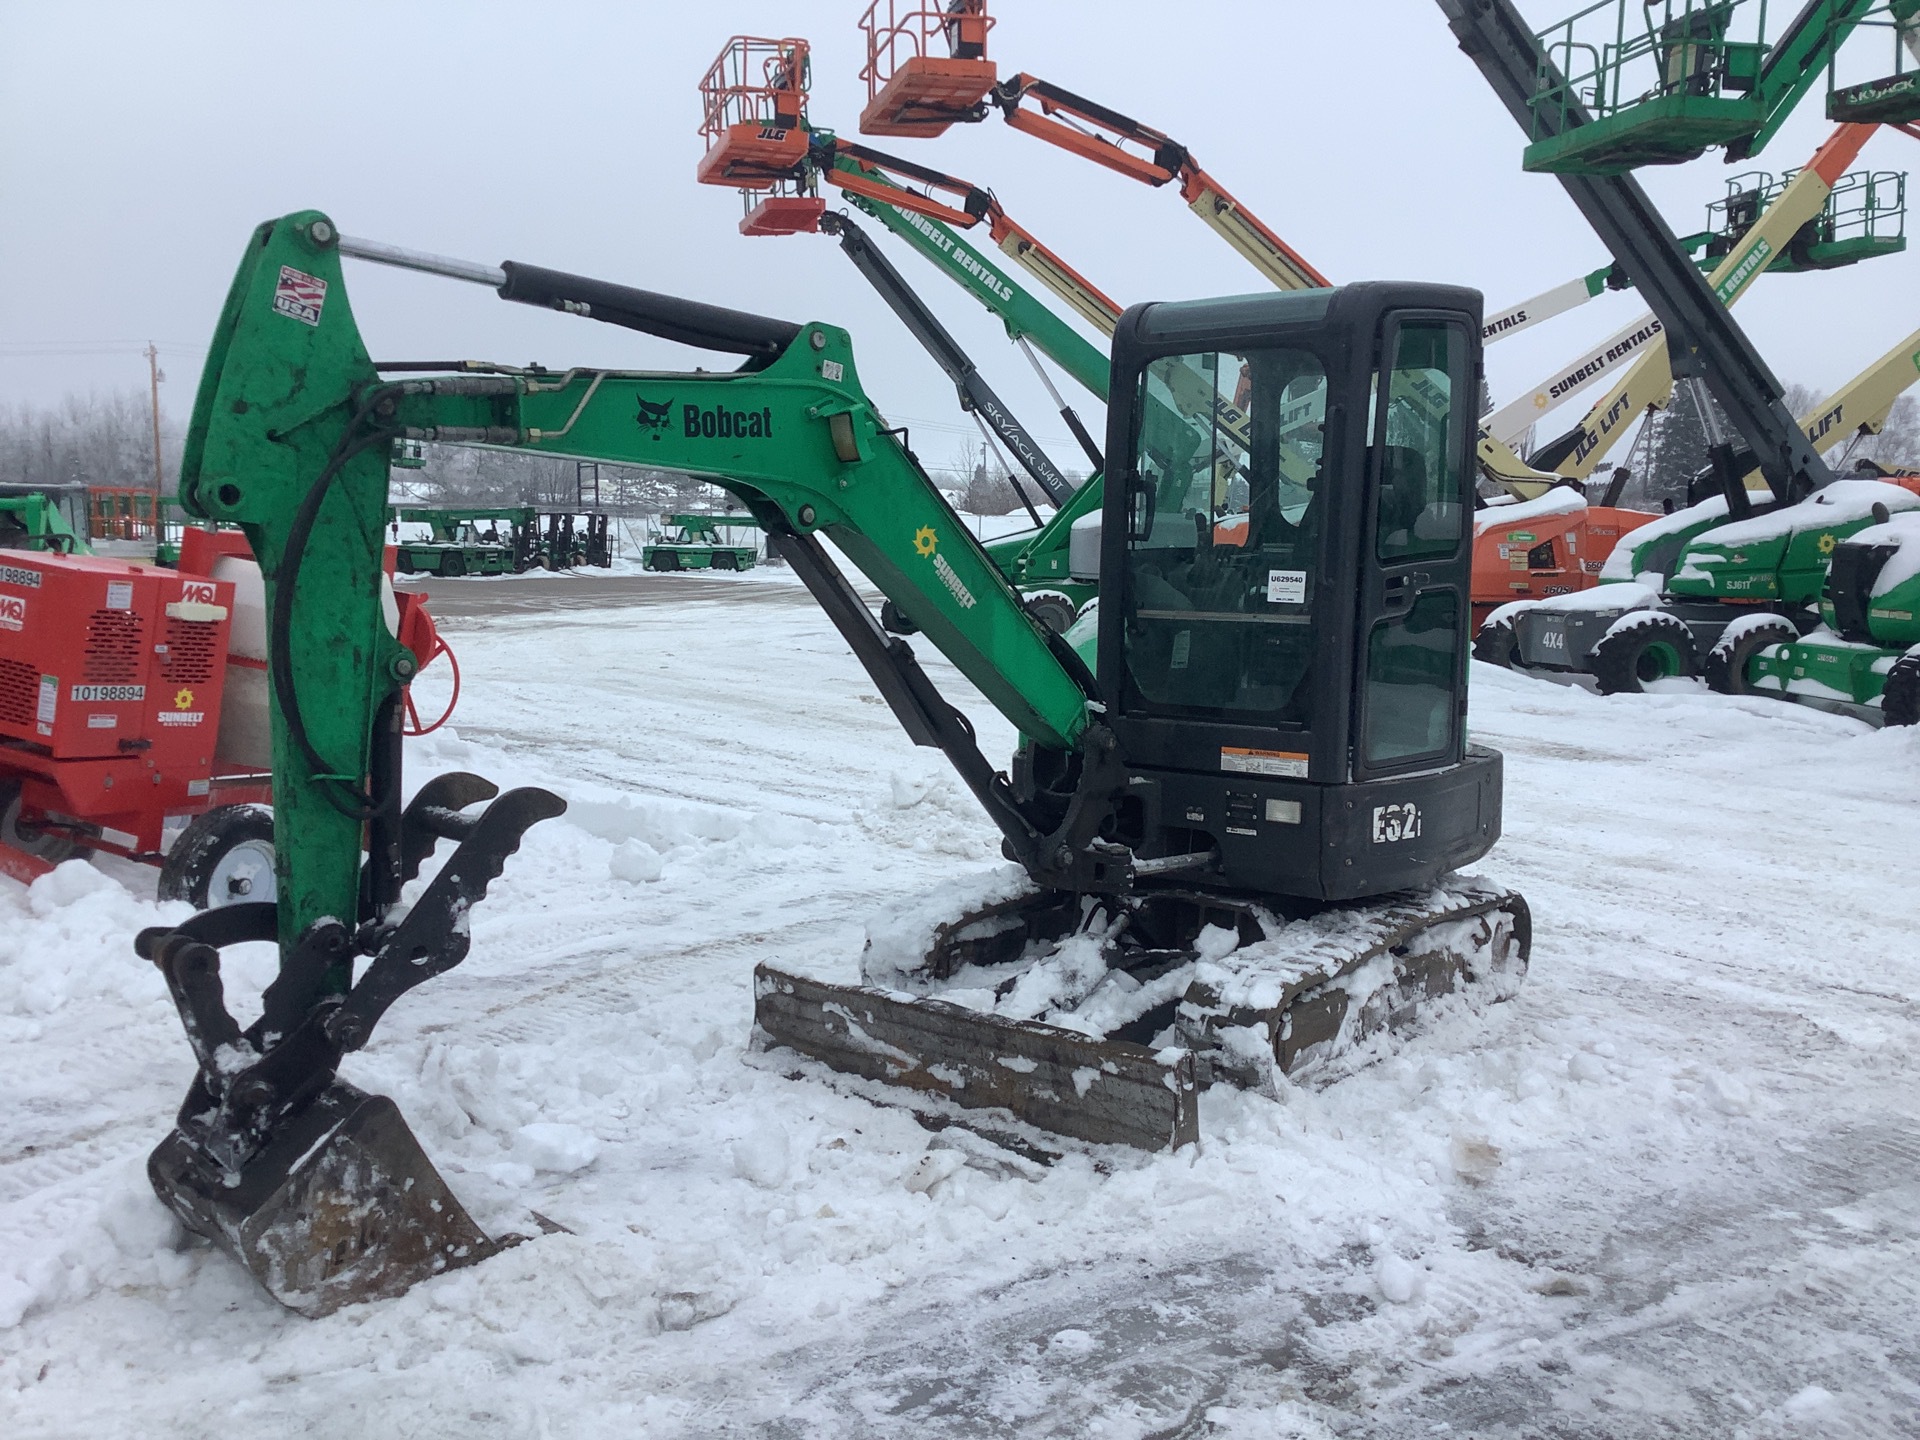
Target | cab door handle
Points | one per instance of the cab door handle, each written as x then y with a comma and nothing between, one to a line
1398,591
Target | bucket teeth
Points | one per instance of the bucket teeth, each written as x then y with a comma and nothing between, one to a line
1286,999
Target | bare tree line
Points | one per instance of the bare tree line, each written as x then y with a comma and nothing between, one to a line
94,439
106,439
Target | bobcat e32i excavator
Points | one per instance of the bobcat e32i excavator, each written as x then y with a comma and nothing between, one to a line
1240,802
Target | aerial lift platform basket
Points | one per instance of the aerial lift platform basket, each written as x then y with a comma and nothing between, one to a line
1660,82
911,90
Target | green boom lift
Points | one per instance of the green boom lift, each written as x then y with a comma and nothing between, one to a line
1264,744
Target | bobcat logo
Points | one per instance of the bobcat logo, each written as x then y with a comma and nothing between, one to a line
654,417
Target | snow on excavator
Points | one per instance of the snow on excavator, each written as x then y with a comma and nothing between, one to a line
1240,799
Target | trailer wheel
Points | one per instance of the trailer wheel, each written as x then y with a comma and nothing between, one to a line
1726,666
223,857
1498,643
1900,700
1056,612
30,840
1630,657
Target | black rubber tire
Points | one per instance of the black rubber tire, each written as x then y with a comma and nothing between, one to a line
50,848
1725,667
893,622
1900,700
403,562
188,871
1498,644
1657,649
666,561
453,565
725,560
1056,612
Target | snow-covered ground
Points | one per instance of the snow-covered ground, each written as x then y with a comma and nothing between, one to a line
1672,1189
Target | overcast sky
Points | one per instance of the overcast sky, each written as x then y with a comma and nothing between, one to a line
139,143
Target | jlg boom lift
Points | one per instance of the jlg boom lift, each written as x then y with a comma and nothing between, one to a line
1266,737
1557,542
914,91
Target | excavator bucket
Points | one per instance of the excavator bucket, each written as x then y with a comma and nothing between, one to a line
341,1206
317,1188
1151,999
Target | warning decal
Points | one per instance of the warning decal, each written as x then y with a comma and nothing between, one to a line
1290,764
300,295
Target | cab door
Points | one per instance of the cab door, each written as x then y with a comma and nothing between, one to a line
1416,560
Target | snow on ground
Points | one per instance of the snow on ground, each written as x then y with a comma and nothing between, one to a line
1673,1188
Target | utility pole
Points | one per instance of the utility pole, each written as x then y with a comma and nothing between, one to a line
155,377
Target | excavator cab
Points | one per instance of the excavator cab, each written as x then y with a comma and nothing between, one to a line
1288,694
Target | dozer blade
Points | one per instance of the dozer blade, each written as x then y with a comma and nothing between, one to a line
341,1206
1110,1092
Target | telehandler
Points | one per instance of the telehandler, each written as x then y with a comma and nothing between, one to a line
1239,799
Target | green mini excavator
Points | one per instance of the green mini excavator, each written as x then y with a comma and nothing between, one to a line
1240,796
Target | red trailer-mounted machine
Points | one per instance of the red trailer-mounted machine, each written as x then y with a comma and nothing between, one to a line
133,703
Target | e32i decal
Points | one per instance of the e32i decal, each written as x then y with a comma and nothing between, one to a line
1396,822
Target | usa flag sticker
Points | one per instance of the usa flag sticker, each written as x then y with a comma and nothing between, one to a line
300,295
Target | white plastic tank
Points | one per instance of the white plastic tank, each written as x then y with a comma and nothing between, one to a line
1083,549
246,733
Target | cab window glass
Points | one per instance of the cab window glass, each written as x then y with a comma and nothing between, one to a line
1427,407
1412,664
1223,534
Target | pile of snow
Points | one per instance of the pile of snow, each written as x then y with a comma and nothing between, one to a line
1560,500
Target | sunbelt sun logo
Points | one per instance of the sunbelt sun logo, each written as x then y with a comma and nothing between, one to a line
926,542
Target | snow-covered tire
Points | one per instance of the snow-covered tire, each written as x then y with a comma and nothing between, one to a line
1052,609
1643,646
50,848
1900,700
222,857
1498,643
1726,664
